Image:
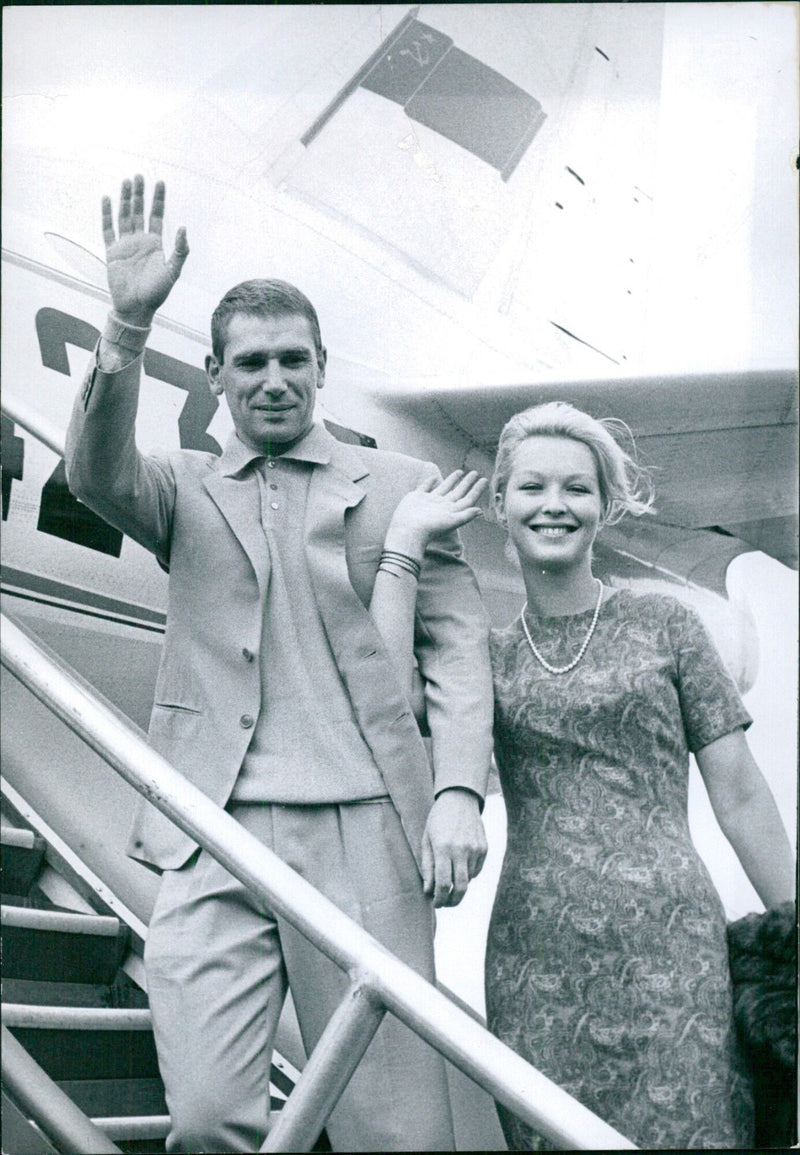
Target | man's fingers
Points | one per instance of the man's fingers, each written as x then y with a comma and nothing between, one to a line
157,211
427,866
476,861
179,254
443,880
137,204
125,220
108,222
460,881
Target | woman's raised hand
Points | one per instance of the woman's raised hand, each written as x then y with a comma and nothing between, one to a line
139,276
435,507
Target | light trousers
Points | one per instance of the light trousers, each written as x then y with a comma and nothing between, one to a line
218,964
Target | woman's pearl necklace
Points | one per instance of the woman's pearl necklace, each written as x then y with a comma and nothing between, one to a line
581,651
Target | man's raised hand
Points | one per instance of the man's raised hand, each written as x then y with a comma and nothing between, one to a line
139,277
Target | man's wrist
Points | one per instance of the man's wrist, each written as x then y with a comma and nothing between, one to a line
125,334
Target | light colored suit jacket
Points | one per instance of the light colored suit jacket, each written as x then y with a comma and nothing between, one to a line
203,522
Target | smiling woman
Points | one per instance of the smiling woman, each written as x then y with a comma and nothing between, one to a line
559,476
552,504
605,915
603,905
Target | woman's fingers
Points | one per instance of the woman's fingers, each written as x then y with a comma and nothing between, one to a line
468,491
456,483
463,516
459,484
428,485
476,490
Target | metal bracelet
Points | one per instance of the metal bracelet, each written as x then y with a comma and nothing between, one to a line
402,560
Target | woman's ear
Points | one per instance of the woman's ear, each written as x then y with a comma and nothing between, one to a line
499,508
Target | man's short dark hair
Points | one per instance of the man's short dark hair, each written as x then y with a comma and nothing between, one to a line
260,298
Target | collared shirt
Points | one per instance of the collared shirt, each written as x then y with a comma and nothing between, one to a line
307,746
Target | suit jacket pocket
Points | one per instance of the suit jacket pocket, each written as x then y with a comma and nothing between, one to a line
174,731
177,687
176,707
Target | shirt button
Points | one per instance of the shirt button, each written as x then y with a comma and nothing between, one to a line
248,655
270,465
246,721
273,505
273,485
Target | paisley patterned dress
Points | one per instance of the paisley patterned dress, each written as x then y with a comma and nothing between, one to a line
607,961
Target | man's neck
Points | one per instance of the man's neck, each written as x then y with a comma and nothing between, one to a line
277,448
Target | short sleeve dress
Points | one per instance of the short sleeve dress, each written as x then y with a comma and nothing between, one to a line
607,961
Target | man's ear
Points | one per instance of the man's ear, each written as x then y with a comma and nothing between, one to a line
322,361
212,374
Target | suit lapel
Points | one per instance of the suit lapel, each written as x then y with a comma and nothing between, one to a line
239,501
380,705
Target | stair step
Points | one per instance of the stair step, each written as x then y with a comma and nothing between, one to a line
34,899
21,856
142,1146
116,994
77,1053
133,1126
57,946
105,1097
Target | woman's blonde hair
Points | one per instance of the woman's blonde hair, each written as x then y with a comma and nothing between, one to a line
625,486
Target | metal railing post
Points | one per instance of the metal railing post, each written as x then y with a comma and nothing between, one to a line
332,1063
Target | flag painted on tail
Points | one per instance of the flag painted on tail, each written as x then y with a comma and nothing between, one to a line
450,92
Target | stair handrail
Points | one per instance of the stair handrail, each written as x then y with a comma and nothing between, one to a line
37,425
379,980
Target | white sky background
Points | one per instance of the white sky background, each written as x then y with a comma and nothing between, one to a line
723,284
724,287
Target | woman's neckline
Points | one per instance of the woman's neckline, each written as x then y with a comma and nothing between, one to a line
609,593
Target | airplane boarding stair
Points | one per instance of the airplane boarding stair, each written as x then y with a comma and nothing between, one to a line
71,1001
78,1044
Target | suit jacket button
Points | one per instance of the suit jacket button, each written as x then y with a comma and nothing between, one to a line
246,721
248,655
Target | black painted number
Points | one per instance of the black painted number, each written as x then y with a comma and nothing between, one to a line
61,514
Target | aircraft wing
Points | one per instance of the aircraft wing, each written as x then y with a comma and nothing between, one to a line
721,448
